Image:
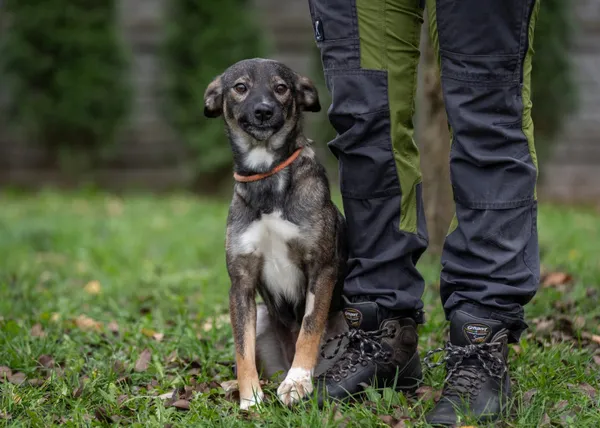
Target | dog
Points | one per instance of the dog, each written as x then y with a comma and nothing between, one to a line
285,237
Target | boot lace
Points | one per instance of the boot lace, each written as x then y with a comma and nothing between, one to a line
464,378
363,347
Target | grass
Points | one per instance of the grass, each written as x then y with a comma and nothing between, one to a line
88,282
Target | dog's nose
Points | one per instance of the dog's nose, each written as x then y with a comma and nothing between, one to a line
263,111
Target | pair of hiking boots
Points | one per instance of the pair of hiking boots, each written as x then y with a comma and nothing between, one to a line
382,351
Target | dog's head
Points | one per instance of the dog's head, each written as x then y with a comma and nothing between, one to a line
259,97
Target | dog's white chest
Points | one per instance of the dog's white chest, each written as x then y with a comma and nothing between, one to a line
269,237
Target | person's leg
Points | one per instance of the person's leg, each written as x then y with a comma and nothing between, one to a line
370,53
490,261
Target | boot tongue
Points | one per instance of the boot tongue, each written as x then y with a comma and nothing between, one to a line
467,329
365,316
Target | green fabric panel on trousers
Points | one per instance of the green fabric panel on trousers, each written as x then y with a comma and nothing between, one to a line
526,95
389,40
435,43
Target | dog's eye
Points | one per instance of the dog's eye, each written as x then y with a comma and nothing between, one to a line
240,88
281,89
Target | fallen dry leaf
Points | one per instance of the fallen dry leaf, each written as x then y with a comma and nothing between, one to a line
596,338
561,405
17,378
121,399
172,357
35,382
579,322
103,416
46,361
181,404
141,365
545,420
113,327
55,317
5,373
597,359
119,367
543,325
6,416
77,392
528,396
388,420
588,389
37,331
93,287
428,393
148,332
168,395
554,279
86,323
400,424
229,386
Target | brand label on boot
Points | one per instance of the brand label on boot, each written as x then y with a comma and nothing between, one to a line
353,317
477,333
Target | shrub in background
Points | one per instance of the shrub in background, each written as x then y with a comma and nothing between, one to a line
203,38
554,92
65,69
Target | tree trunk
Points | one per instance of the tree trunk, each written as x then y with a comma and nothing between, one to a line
434,142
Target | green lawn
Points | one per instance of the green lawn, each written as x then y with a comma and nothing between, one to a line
88,282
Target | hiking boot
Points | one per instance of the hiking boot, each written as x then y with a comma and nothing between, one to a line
381,352
477,382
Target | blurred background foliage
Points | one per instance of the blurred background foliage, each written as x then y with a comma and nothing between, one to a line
64,63
552,74
66,69
203,38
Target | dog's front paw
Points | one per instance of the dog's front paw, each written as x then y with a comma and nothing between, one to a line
251,400
297,385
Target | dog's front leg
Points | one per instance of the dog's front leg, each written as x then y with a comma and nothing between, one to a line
298,382
242,309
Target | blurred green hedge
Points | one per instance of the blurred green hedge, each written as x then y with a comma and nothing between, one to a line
66,72
554,92
203,39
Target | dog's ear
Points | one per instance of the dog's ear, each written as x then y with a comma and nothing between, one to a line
213,99
308,97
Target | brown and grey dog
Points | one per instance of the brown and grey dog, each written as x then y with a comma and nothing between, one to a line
285,237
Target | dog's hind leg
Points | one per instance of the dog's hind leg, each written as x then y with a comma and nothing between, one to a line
274,346
298,382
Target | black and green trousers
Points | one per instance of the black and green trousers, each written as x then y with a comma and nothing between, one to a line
370,52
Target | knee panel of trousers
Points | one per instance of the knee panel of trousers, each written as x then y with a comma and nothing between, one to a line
359,112
491,163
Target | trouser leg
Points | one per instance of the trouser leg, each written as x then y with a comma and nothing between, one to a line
490,261
370,52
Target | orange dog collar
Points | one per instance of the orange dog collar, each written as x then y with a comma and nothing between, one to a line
249,178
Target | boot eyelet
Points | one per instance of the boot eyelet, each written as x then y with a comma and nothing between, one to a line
353,369
364,363
337,378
